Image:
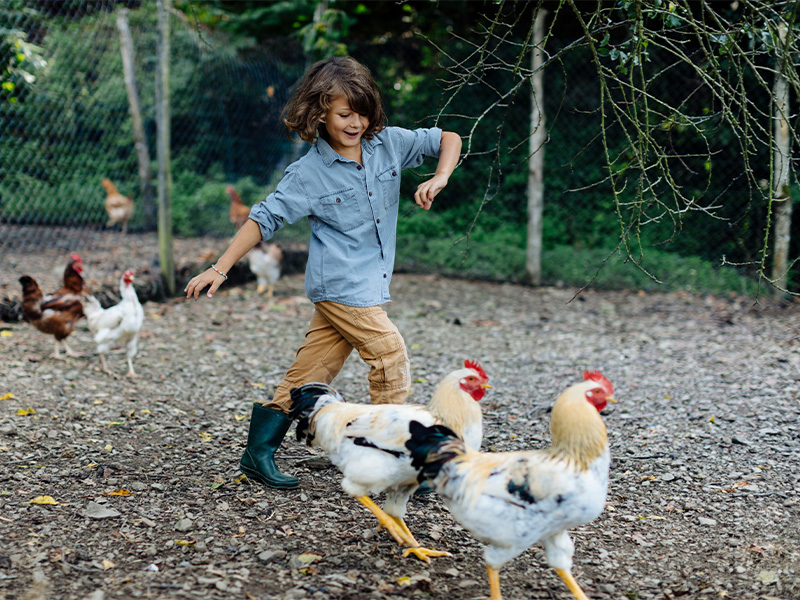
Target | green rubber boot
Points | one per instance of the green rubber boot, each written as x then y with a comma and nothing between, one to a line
267,429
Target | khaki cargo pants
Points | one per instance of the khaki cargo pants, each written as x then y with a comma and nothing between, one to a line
334,331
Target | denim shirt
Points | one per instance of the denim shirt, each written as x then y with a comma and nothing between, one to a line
352,211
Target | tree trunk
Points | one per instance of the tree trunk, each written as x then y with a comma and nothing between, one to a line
166,255
782,201
538,136
145,186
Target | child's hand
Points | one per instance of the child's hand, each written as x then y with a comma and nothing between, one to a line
427,191
199,282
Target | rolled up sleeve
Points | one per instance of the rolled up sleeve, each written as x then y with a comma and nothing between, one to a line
288,203
416,144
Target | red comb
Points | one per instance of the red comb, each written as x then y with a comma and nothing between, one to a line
75,257
475,365
598,377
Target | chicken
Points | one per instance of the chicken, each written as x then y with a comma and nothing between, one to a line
511,500
116,325
265,263
72,280
239,212
119,207
56,313
367,442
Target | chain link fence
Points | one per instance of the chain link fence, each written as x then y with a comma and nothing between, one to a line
65,123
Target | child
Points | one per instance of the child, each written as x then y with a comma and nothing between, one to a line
348,185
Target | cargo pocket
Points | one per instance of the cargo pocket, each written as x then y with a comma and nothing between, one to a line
387,356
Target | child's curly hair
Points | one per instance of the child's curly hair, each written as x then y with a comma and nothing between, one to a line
324,81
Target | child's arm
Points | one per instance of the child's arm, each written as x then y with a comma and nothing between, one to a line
449,152
247,237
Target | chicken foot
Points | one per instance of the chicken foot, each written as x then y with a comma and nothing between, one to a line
67,350
572,584
399,531
415,547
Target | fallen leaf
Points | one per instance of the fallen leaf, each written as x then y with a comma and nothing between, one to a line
24,412
6,333
235,416
185,542
257,384
119,492
107,564
205,436
8,396
44,500
768,577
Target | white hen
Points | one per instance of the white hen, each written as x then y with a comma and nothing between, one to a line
117,325
265,263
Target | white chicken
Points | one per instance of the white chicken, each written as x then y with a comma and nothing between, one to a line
511,500
117,325
367,442
265,263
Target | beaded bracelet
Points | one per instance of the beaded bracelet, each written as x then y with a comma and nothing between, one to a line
220,272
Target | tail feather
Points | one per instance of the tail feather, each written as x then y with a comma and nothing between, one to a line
431,448
304,401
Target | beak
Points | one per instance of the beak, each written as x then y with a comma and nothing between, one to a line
611,399
486,386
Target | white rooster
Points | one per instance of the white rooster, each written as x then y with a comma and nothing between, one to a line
265,263
367,441
511,500
117,325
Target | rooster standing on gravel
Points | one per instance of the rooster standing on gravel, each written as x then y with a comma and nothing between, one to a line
511,500
116,325
367,442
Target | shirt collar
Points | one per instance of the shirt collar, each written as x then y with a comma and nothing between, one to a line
329,155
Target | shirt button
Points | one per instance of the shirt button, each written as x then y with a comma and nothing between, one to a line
358,167
394,173
384,275
338,199
377,220
370,193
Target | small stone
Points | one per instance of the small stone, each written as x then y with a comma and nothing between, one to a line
183,525
667,477
706,521
95,511
270,555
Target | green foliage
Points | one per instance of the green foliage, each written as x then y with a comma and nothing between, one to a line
572,267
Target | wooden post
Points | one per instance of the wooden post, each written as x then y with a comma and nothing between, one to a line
165,250
538,135
145,186
782,200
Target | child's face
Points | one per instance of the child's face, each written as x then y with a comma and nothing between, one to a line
345,128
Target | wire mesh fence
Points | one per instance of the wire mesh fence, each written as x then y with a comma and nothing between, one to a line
66,125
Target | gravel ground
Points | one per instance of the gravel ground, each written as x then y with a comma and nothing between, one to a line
704,498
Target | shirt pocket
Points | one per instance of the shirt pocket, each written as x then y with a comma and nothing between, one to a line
390,186
340,210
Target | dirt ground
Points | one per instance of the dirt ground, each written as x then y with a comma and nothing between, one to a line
704,496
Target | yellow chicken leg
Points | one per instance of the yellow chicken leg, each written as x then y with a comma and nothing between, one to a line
386,522
400,532
494,584
414,546
572,584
